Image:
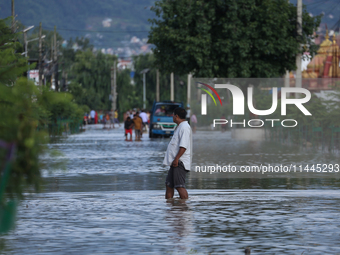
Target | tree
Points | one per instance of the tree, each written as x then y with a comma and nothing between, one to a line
228,38
12,64
92,72
24,107
142,62
91,81
127,95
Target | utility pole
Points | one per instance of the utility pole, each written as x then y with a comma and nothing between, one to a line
144,71
189,89
13,18
25,38
144,91
62,83
113,87
298,81
286,81
25,42
172,97
40,55
66,88
52,76
56,60
157,85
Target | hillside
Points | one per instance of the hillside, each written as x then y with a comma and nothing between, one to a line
85,17
117,21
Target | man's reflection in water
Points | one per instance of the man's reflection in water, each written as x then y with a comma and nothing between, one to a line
179,217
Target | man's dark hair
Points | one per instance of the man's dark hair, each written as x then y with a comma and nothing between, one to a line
181,112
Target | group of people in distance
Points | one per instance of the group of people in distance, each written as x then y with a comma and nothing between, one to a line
105,118
133,119
137,120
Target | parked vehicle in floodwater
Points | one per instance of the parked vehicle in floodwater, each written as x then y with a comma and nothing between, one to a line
161,122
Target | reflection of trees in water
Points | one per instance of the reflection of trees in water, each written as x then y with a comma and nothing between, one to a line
179,218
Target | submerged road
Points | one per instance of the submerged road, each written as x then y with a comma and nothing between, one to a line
104,195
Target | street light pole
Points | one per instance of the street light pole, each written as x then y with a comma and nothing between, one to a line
13,18
114,86
144,86
55,61
144,91
157,86
298,82
172,96
25,38
40,55
26,45
189,88
26,42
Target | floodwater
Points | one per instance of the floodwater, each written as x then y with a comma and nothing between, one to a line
106,196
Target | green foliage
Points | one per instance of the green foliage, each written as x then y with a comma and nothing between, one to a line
33,47
81,17
243,38
91,82
325,117
19,115
332,111
91,74
263,100
19,120
12,64
59,105
148,61
24,107
127,94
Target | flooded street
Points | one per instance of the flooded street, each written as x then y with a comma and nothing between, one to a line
109,199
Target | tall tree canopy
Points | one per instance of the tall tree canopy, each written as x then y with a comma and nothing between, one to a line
12,63
229,38
91,80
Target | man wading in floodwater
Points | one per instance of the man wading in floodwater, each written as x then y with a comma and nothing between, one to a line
178,156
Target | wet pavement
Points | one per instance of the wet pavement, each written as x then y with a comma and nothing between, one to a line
109,199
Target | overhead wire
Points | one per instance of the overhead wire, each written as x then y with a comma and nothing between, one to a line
318,4
336,25
332,9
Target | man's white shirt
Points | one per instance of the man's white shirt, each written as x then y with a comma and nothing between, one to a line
93,114
144,116
182,138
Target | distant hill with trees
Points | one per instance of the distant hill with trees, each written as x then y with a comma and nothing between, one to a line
80,18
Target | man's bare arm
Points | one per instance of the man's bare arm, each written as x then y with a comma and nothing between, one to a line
179,154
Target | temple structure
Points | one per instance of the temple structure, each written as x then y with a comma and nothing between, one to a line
325,64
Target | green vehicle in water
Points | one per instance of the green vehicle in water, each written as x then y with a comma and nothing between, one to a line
161,122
